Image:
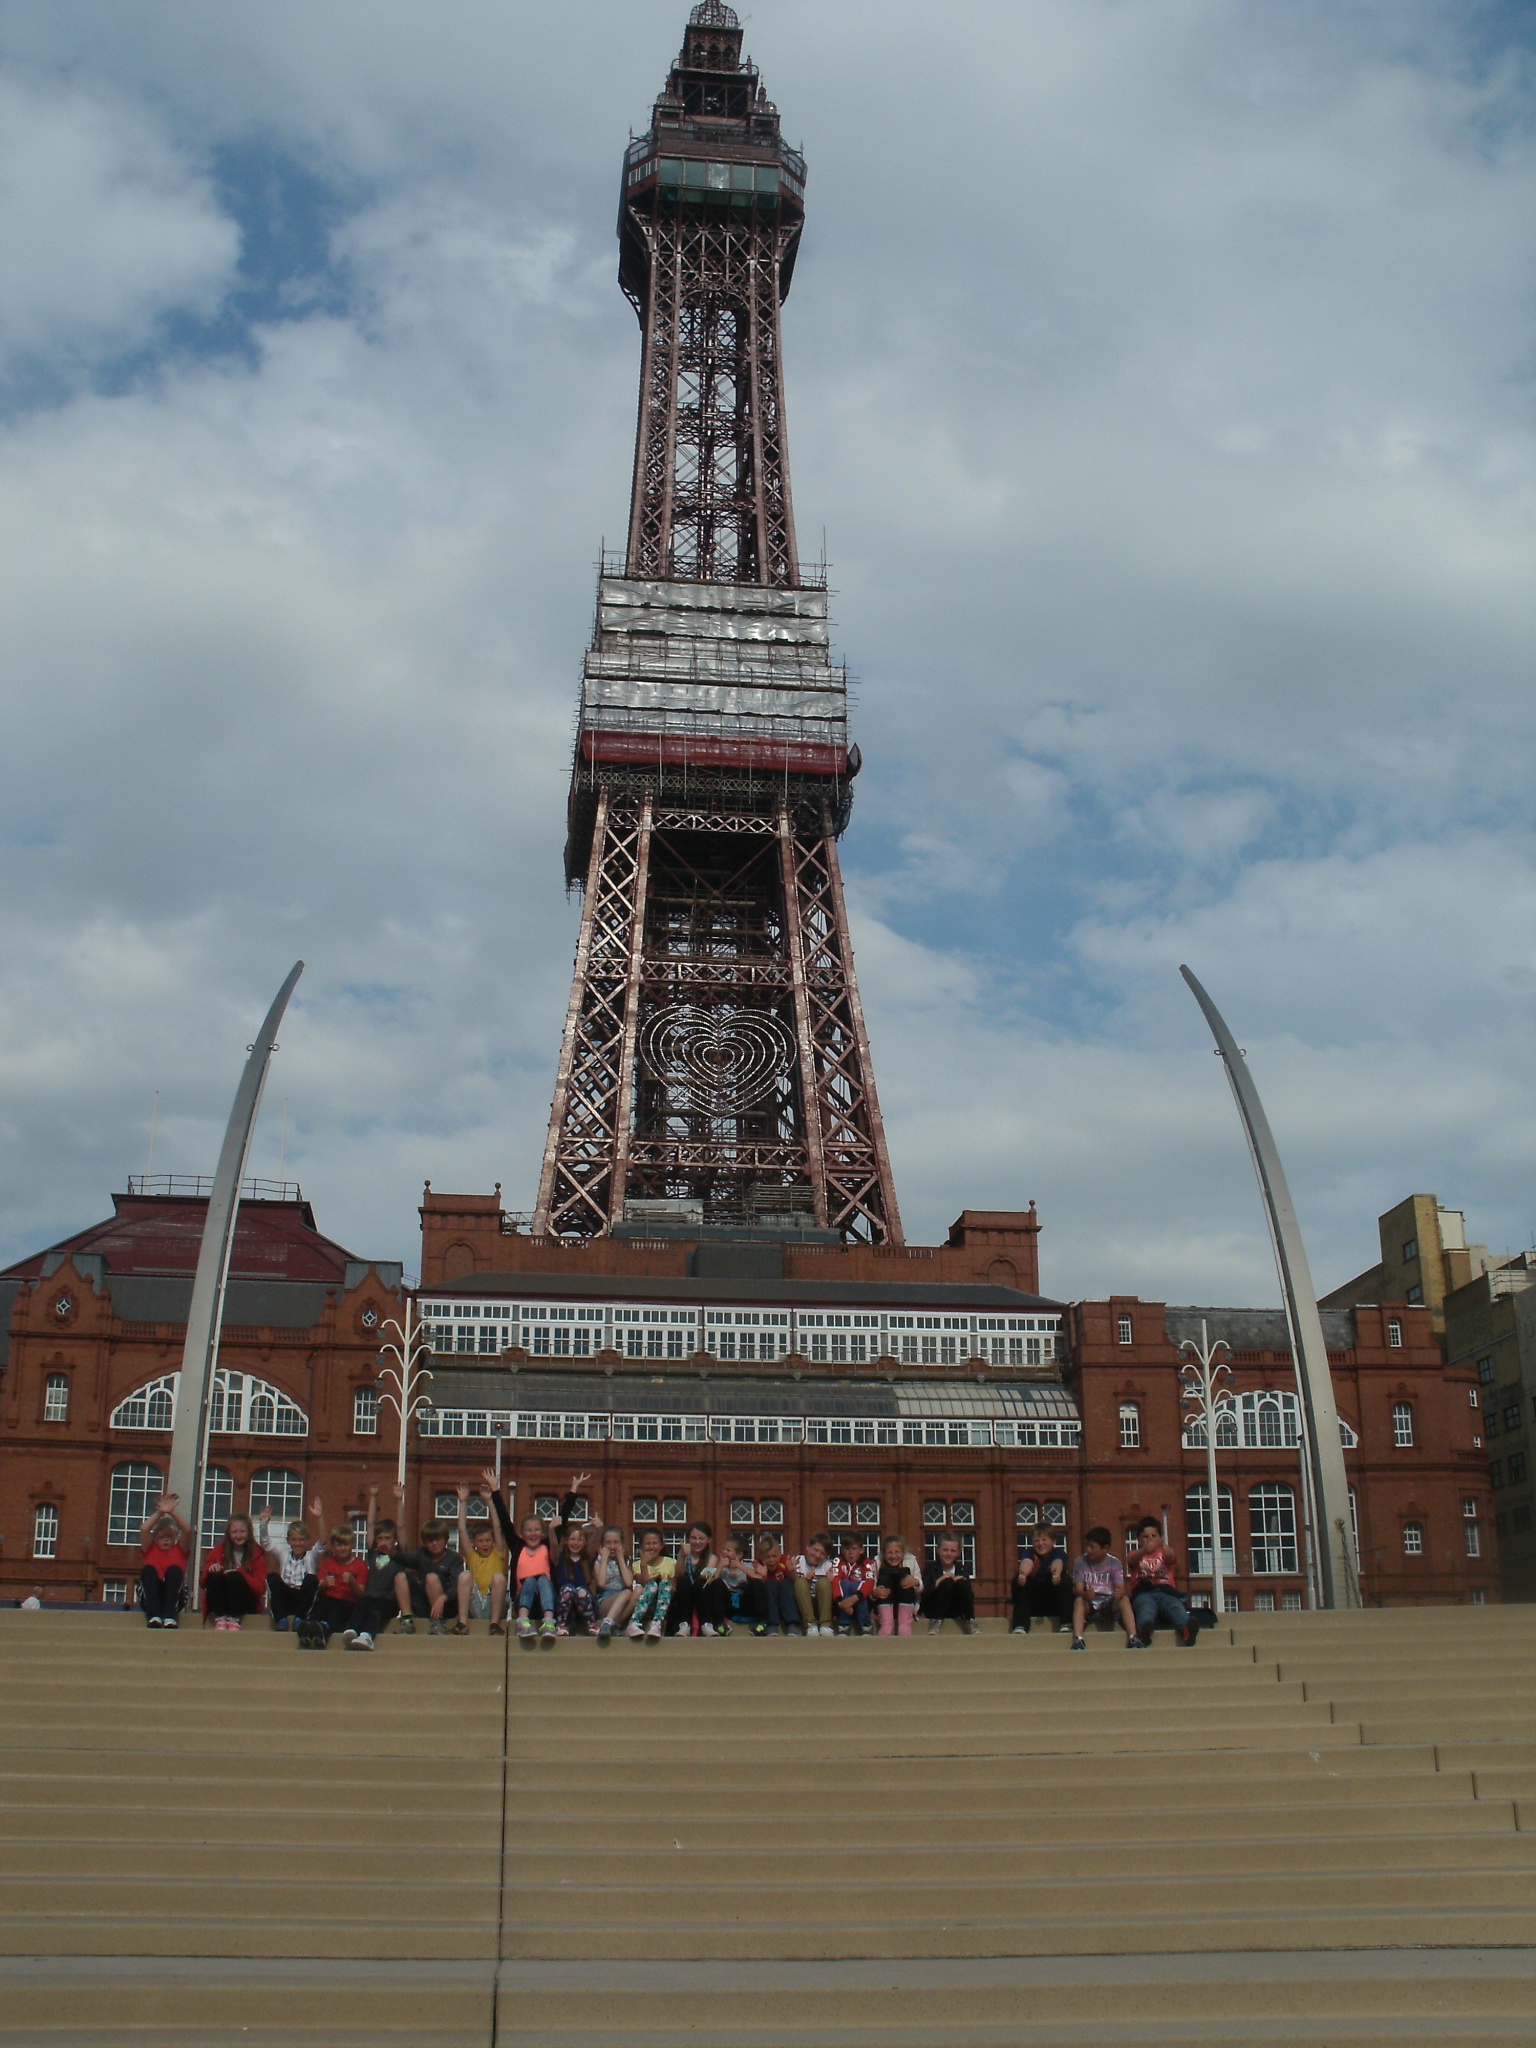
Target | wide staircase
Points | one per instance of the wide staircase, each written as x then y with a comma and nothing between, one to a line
1308,1829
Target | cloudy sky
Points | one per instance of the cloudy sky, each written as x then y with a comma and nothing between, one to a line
1162,376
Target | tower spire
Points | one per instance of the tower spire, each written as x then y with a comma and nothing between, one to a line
715,1059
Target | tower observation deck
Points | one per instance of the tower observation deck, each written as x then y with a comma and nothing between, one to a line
715,1068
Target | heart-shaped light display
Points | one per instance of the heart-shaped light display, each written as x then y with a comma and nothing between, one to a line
719,1062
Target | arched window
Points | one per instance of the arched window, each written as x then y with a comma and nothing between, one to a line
1394,1333
1272,1529
1197,1522
1348,1440
280,1492
45,1530
1227,1438
1271,1428
56,1397
1402,1425
365,1412
151,1407
131,1496
237,1405
218,1502
1130,1426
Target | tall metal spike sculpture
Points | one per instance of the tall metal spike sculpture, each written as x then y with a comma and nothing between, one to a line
1328,1483
715,1055
200,1351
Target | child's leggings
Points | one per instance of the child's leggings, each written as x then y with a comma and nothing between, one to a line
895,1618
576,1599
651,1607
539,1584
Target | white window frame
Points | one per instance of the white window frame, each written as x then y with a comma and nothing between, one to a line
1125,1330
1413,1539
218,1503
365,1411
45,1529
1402,1425
1130,1426
1272,1531
133,1487
56,1397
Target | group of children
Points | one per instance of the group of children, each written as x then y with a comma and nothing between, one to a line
553,1578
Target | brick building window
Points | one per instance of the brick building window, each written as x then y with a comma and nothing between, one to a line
1130,1426
1197,1523
1517,1469
955,1517
114,1592
1263,1603
1290,1603
218,1503
770,1513
1054,1515
1471,1397
1413,1539
866,1515
1124,1330
131,1493
1485,1371
56,1397
1402,1425
446,1508
1495,1473
1272,1530
45,1530
642,1510
1474,1536
1410,1251
365,1412
359,1526
839,1514
280,1491
1512,1416
1394,1334
1415,1296
743,1513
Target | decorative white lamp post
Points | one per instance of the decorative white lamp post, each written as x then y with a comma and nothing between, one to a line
1201,1373
406,1378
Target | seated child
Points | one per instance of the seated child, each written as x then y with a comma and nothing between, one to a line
694,1591
339,1580
425,1581
379,1601
1042,1584
613,1585
740,1594
655,1574
948,1594
772,1570
897,1588
166,1544
291,1581
853,1582
1153,1587
1098,1590
235,1576
573,1584
813,1586
481,1587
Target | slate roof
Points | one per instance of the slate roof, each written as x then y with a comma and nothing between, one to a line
248,1304
903,1294
161,1234
1255,1329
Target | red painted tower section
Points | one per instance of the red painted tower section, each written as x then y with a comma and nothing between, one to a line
715,1069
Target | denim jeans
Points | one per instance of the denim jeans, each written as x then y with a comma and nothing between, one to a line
545,1591
782,1611
1154,1604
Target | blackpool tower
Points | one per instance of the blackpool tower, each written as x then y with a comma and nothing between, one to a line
715,1067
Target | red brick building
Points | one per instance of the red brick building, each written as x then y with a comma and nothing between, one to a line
770,1387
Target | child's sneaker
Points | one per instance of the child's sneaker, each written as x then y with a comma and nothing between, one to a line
405,1626
934,1627
438,1627
1078,1643
170,1621
547,1635
561,1631
361,1641
1134,1643
793,1631
605,1633
706,1628
968,1626
524,1627
761,1628
1191,1634
634,1631
653,1633
460,1628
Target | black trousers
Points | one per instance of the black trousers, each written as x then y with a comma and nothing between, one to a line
1038,1597
708,1600
291,1603
373,1613
334,1613
951,1600
161,1597
230,1594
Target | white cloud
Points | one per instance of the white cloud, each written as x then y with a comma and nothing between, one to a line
1161,378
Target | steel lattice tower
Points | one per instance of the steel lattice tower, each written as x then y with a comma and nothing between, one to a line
715,1063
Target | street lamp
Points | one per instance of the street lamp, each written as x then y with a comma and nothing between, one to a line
1201,1372
406,1377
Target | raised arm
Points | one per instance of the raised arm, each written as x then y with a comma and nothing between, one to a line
165,1505
499,1508
373,1515
462,1491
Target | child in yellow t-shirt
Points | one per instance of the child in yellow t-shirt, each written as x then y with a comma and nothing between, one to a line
482,1587
654,1575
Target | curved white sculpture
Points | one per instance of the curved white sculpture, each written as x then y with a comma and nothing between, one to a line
1333,1542
200,1354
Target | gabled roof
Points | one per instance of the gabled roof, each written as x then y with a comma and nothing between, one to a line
160,1235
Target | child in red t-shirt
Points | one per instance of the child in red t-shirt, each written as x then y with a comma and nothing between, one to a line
853,1581
340,1577
1151,1582
166,1543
